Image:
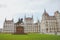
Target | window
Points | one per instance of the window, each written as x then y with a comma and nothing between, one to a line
46,29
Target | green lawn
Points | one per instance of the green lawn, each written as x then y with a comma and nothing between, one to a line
32,36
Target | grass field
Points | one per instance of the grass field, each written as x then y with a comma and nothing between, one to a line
32,36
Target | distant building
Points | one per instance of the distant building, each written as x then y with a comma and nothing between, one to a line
28,26
8,26
50,24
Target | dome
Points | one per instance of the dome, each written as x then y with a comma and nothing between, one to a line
56,13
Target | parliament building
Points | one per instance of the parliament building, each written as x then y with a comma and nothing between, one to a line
48,25
28,26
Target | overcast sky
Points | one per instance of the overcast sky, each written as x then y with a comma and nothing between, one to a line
18,8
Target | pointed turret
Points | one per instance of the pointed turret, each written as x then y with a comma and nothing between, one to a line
5,19
37,20
32,16
45,13
12,19
25,16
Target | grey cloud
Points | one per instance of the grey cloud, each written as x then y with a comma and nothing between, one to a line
3,5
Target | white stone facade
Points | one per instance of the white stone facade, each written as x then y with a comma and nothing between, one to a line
50,24
8,26
30,26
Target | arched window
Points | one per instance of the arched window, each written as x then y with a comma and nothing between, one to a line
46,29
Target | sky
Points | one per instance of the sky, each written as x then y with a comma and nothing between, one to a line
18,8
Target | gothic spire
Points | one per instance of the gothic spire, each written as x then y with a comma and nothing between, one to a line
5,19
25,16
37,19
45,13
44,10
32,16
12,19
